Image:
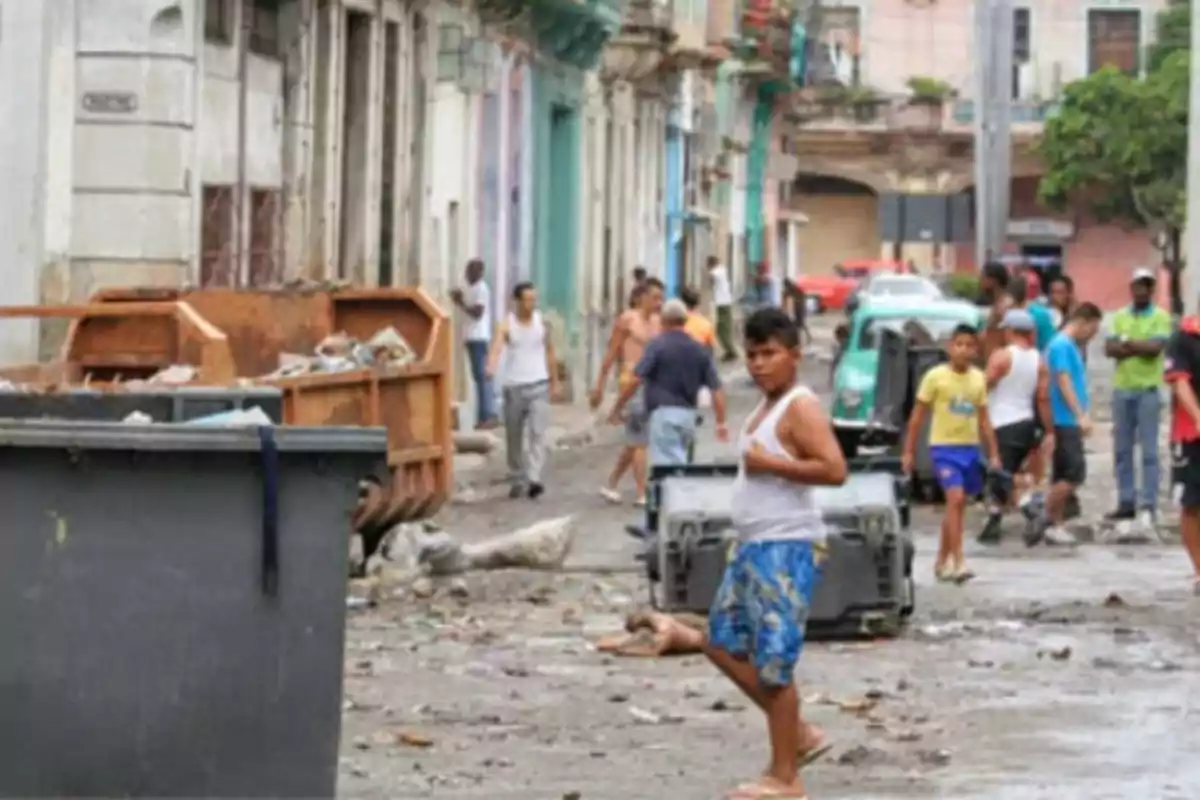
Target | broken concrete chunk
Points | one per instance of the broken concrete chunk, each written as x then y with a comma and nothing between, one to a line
543,545
176,375
389,346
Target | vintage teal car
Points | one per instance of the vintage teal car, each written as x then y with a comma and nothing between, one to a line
858,365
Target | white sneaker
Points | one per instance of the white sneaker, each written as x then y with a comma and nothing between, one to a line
1146,519
611,495
1061,537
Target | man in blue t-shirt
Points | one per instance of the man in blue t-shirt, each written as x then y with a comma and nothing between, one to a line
1069,407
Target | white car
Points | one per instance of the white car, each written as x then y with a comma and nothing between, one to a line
886,285
908,286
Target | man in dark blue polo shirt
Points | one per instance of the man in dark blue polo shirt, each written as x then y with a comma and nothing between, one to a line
673,369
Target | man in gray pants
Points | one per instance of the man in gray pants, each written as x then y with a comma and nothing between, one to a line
530,383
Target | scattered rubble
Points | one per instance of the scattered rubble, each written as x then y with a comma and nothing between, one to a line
653,634
416,558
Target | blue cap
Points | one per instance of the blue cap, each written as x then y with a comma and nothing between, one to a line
1018,319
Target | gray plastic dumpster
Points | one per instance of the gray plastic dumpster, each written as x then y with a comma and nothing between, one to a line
172,606
866,588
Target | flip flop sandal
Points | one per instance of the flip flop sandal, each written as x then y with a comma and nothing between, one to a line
815,754
762,791
961,576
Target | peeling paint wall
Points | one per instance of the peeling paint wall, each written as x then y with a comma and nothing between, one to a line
25,56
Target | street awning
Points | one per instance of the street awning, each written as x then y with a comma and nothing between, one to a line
793,216
699,216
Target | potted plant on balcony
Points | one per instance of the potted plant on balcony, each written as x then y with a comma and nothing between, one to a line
863,102
928,97
858,102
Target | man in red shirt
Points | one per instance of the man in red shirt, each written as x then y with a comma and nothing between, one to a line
1183,375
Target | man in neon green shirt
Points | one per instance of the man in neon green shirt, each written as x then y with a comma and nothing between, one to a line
1136,341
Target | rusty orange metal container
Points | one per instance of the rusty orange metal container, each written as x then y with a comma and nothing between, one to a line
413,401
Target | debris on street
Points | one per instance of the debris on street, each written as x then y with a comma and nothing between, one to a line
653,634
416,554
505,676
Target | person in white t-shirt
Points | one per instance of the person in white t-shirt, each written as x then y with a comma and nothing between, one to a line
722,294
476,303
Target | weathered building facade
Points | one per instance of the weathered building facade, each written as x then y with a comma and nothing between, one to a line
873,138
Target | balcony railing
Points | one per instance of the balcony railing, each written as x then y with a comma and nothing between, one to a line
1025,113
899,112
647,15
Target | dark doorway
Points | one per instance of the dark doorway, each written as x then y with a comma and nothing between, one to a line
356,103
1045,259
388,188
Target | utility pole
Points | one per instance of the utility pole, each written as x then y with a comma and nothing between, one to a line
994,36
1191,254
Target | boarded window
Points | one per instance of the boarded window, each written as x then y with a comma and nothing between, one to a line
218,21
265,253
264,27
1021,47
216,237
840,36
1115,39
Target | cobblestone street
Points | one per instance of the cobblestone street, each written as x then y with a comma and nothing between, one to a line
1055,674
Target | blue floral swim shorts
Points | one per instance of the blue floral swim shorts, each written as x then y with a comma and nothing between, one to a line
761,609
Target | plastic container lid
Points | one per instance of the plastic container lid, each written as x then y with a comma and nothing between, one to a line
54,434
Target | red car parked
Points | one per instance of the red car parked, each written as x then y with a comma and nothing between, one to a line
831,292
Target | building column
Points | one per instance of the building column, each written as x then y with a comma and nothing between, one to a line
504,178
367,269
673,205
327,167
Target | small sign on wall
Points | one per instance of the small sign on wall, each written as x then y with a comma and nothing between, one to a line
110,102
1038,228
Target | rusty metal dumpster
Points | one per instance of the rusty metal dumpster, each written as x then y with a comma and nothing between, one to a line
110,339
173,599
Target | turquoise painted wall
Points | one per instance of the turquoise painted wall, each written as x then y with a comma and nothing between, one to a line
556,131
756,170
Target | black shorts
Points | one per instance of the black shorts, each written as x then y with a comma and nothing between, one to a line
1186,472
1070,462
1016,442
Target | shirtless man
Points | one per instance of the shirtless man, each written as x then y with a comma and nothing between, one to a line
993,288
633,330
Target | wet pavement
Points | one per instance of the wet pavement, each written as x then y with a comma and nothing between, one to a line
1054,674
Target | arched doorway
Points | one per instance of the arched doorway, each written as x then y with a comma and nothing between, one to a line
843,221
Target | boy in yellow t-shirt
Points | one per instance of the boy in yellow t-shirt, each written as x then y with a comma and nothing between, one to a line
955,394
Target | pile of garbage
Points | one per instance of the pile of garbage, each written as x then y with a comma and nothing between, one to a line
343,353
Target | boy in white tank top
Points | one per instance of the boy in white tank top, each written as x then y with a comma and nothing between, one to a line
758,617
1019,385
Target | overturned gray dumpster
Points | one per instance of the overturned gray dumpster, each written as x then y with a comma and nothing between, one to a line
172,607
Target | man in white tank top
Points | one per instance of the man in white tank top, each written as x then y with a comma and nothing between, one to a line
1019,403
758,617
530,382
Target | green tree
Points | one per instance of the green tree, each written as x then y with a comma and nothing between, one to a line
1173,33
1118,146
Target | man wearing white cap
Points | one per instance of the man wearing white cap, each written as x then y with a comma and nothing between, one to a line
1136,342
1019,404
